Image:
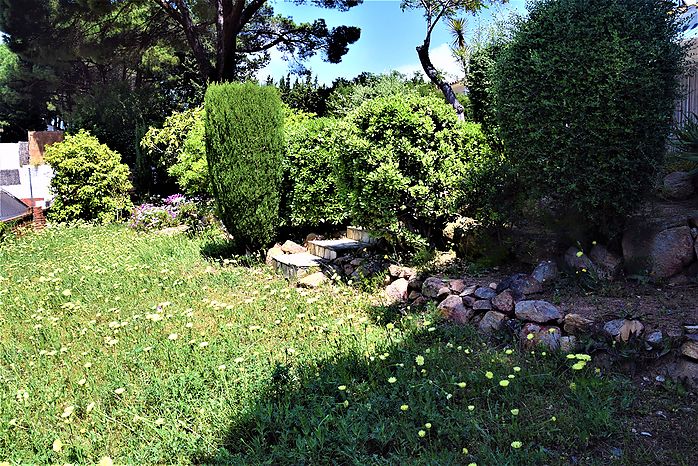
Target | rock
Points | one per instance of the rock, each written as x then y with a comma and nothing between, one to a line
537,311
396,292
420,301
623,329
504,302
545,272
690,349
691,329
608,265
655,339
434,287
469,301
415,284
453,310
526,285
469,290
310,237
568,344
575,259
273,252
482,305
457,286
685,371
485,293
414,295
493,285
678,185
661,254
289,247
348,269
548,337
402,272
576,324
492,322
357,261
313,280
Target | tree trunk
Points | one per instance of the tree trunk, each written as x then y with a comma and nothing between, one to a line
431,71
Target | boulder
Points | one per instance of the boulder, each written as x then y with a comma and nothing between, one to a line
457,286
396,292
452,309
526,285
313,280
608,264
655,339
623,329
469,290
546,271
568,344
576,324
504,302
289,247
678,185
434,287
575,259
402,272
534,335
482,305
684,370
414,294
492,322
537,311
415,284
469,301
272,253
662,254
485,293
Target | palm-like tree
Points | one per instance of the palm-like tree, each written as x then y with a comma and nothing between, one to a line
459,46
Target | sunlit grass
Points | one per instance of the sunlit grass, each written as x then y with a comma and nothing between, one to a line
136,347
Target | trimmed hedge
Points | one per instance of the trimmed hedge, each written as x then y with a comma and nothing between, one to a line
244,150
310,196
584,99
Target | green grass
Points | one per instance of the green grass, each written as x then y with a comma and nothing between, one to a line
223,363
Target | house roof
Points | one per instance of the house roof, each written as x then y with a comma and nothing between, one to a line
10,207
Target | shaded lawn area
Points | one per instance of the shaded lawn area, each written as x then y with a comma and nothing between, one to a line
137,347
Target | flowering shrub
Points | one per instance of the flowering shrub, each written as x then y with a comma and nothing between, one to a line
175,210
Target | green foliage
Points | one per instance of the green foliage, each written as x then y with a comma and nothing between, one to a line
89,182
310,193
584,100
244,149
347,96
179,148
407,166
480,76
685,140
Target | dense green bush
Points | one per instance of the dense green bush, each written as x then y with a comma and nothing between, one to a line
480,76
89,182
244,149
407,165
584,99
310,193
179,148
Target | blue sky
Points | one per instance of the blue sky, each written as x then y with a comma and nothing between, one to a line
388,38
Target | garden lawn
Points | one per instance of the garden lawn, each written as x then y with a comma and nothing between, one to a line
135,346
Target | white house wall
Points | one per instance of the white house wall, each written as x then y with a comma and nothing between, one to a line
40,176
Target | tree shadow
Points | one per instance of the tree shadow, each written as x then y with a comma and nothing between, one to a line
423,398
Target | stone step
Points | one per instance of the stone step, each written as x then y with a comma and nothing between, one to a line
296,265
361,235
330,249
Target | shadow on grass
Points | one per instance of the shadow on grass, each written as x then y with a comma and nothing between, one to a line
424,397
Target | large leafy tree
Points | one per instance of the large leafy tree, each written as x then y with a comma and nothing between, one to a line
232,38
442,10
